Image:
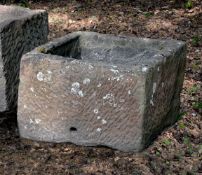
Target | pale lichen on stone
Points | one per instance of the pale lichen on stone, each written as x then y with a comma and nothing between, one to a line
75,88
104,121
144,69
32,89
37,121
99,129
96,111
46,77
114,71
80,93
99,85
90,67
40,76
86,81
117,78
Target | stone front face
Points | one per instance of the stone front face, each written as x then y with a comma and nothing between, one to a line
92,89
20,31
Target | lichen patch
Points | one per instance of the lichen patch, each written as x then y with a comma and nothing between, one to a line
75,89
99,129
40,76
96,111
144,69
46,77
32,89
104,121
86,81
114,71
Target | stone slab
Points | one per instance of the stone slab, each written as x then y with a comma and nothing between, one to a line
21,30
95,89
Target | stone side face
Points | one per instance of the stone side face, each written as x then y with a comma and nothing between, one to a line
163,87
83,103
18,35
100,99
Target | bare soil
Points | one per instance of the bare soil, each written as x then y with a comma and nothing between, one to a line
178,150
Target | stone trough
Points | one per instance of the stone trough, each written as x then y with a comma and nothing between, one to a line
21,30
94,89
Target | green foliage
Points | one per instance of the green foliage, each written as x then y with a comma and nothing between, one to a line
158,153
186,140
179,117
178,156
196,40
197,105
167,142
193,90
188,4
181,125
195,66
148,14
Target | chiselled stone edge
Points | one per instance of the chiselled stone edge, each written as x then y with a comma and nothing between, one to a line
166,44
168,47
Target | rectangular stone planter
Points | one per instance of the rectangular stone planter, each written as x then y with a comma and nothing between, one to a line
94,89
21,30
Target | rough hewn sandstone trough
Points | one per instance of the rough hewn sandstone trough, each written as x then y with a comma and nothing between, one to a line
93,89
21,30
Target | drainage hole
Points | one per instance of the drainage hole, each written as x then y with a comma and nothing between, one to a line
73,129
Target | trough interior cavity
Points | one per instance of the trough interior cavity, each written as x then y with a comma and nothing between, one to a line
71,49
8,13
98,48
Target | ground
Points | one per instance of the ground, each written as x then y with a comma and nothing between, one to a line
178,150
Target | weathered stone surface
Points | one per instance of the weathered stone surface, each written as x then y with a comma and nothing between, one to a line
94,89
20,31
